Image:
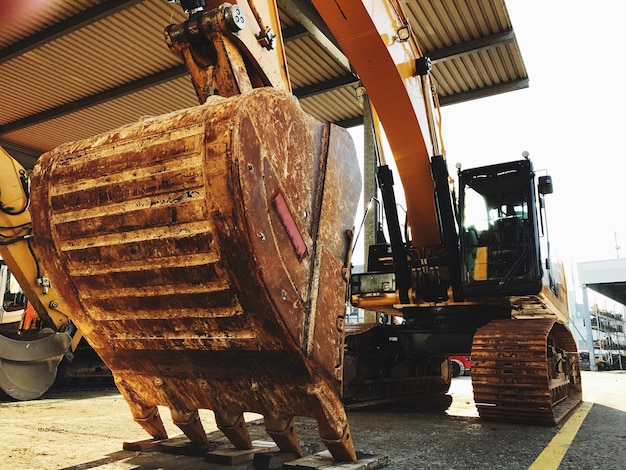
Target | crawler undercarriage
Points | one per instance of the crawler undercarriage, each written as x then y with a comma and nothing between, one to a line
525,371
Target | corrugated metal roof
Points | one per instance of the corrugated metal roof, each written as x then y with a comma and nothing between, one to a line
472,45
79,67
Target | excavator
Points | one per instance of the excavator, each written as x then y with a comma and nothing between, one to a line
205,254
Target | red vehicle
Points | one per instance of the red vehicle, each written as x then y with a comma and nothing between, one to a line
461,365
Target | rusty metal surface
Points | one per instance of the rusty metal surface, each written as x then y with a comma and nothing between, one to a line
164,238
525,371
228,50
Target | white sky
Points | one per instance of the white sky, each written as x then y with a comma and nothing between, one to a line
570,120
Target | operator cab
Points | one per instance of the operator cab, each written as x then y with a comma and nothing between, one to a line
500,222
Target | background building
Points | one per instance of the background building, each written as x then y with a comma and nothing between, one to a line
602,325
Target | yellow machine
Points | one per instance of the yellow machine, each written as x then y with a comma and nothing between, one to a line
36,333
30,351
205,254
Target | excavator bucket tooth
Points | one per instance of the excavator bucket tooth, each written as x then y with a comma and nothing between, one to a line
145,414
341,448
234,428
28,368
283,431
152,423
525,370
203,253
190,424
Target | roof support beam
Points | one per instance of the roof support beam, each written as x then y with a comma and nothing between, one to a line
458,50
152,80
513,85
324,87
294,32
352,122
26,156
179,71
98,98
67,26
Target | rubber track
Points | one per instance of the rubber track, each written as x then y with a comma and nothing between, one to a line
511,373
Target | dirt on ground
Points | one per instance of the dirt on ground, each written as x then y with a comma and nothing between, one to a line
86,430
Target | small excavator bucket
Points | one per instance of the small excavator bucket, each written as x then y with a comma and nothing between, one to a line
29,367
204,255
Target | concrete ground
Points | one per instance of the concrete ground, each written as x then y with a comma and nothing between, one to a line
85,430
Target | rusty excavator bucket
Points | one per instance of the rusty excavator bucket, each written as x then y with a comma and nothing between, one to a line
203,253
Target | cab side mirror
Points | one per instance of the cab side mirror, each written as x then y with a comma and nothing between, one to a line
545,185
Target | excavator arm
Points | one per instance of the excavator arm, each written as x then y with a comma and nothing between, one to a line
28,364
